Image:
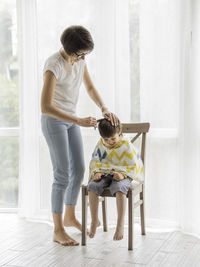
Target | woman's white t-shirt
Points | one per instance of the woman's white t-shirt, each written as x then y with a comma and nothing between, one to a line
68,80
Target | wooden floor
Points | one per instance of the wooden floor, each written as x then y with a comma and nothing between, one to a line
24,243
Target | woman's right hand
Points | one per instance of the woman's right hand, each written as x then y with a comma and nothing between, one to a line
87,122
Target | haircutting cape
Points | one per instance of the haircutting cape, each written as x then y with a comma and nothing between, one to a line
122,158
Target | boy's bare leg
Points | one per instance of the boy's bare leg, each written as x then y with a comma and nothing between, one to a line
121,208
59,234
94,205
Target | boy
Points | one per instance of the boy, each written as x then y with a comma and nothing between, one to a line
114,164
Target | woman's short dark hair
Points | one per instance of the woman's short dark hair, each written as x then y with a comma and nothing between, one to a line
106,129
76,38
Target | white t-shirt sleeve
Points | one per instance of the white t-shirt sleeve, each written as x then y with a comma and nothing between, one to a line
53,67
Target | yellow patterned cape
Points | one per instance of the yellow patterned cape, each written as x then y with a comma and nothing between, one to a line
123,158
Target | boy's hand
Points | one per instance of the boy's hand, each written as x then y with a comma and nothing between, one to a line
118,176
97,176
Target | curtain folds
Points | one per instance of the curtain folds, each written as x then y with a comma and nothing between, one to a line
169,99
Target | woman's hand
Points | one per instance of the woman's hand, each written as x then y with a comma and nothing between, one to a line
87,122
97,176
118,176
110,116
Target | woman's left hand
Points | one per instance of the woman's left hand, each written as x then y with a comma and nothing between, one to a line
111,117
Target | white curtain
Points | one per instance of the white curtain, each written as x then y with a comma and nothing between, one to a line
160,85
190,120
169,44
108,74
169,97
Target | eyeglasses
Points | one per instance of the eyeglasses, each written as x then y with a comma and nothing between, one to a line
80,55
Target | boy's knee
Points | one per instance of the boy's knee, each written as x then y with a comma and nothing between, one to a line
118,189
91,186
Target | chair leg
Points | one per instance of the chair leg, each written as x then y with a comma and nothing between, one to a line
142,212
104,213
130,219
84,216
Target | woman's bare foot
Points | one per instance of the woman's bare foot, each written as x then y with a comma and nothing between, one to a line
93,227
73,223
61,237
119,232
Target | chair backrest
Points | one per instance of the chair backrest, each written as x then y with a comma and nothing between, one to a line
138,129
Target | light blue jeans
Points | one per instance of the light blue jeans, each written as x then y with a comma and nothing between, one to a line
65,145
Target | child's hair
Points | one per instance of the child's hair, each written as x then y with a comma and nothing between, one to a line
107,130
76,38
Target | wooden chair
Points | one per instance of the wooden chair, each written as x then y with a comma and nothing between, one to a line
138,129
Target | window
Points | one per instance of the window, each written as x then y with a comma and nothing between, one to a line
9,106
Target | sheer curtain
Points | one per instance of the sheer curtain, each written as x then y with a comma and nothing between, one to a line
169,44
190,118
169,98
108,74
160,91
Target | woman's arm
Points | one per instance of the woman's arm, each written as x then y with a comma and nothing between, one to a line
93,93
48,108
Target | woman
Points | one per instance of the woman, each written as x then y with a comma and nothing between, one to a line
63,73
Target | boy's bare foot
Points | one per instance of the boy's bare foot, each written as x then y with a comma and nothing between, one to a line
119,233
93,227
73,223
63,238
